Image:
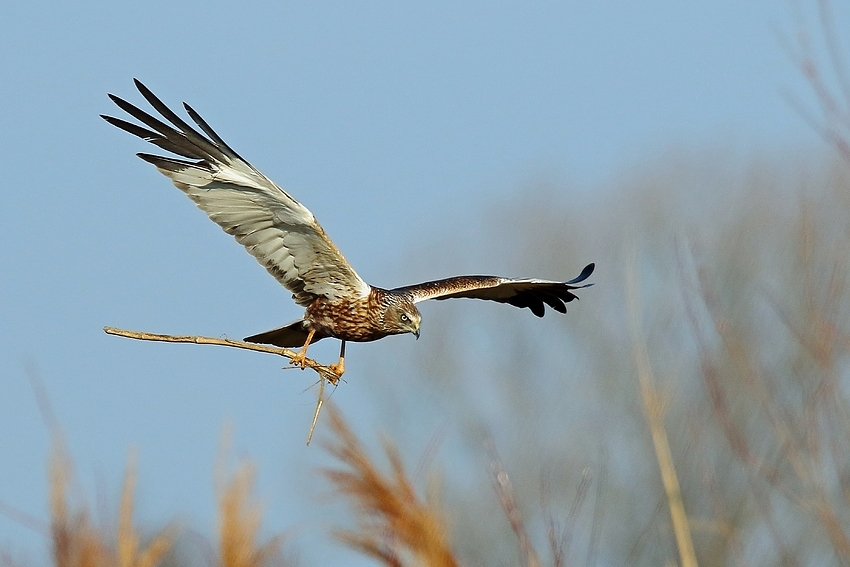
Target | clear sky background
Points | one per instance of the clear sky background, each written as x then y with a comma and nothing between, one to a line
391,121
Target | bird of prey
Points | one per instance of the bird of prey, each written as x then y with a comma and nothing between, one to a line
286,239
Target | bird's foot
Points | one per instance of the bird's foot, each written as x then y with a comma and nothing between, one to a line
338,368
300,359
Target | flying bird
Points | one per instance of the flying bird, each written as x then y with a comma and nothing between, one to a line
284,236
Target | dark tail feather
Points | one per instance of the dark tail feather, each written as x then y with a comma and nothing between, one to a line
288,336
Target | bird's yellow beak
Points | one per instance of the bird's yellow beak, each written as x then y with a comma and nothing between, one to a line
416,332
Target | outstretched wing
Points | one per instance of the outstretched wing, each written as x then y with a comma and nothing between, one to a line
275,228
529,293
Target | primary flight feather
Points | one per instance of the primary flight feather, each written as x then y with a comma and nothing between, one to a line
284,237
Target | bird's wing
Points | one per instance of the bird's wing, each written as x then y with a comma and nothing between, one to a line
531,293
275,228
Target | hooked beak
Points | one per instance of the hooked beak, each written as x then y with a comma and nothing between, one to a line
416,333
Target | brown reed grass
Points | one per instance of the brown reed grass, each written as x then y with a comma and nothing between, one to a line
395,526
240,518
77,542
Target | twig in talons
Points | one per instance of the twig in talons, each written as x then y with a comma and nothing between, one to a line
325,373
319,403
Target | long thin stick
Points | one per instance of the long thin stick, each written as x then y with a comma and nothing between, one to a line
324,372
319,403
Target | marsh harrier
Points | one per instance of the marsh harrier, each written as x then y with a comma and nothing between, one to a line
286,239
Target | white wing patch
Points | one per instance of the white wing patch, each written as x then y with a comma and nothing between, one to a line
277,230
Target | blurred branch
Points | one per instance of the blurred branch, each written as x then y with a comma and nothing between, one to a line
598,510
24,518
325,373
827,21
504,490
654,410
581,494
719,402
834,125
561,539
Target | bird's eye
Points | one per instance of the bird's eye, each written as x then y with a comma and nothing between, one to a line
405,318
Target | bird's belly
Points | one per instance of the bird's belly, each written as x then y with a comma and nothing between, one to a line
348,321
357,335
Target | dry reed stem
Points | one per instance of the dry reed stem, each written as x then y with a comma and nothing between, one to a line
799,440
394,526
25,519
325,373
745,366
834,124
129,554
756,471
598,510
77,543
575,507
559,538
504,490
239,524
654,411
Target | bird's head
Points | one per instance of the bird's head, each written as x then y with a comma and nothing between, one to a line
402,316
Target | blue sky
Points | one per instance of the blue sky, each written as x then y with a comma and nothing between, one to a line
390,121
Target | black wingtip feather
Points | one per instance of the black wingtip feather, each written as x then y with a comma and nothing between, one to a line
525,300
202,124
134,129
169,163
565,292
155,138
185,129
183,140
554,302
585,273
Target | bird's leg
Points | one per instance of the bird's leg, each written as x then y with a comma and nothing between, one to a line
301,357
339,367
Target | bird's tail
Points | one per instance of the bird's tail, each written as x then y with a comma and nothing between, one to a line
288,336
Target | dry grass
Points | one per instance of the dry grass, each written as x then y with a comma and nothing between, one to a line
78,543
504,490
654,411
395,526
239,524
